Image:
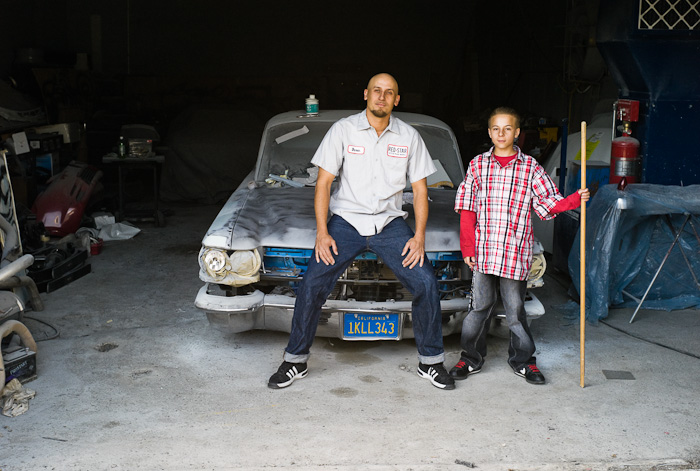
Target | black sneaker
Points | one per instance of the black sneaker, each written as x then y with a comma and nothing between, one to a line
286,374
463,369
436,374
531,373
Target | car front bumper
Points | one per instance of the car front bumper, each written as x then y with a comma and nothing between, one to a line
257,310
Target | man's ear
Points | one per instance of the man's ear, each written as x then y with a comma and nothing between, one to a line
396,102
365,94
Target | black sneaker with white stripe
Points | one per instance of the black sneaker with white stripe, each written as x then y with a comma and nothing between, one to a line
463,369
286,374
530,372
436,374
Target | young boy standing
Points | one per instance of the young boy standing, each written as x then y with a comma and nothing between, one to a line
496,238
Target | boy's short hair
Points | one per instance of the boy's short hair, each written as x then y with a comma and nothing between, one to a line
506,110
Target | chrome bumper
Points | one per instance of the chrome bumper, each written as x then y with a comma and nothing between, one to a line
274,312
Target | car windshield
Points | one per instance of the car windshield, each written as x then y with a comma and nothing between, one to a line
289,148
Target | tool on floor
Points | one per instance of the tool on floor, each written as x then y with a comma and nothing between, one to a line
20,365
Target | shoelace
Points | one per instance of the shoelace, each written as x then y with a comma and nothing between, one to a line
533,368
461,364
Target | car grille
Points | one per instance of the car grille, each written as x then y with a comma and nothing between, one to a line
369,280
366,279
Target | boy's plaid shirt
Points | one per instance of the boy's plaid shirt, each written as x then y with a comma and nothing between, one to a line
502,197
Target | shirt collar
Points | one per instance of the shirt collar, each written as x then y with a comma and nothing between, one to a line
518,155
363,123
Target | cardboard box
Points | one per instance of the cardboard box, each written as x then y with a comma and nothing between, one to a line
21,144
138,147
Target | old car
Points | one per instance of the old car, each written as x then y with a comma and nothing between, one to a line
256,251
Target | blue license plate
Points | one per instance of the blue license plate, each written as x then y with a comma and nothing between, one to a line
363,326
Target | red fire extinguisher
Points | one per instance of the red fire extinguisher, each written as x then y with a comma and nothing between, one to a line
624,154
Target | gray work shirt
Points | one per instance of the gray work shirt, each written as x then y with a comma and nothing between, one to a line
372,169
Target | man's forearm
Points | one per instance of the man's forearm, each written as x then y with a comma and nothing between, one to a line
321,201
420,208
421,214
322,198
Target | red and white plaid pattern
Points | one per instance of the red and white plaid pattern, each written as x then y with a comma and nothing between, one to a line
502,197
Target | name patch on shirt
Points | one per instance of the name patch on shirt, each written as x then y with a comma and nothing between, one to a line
356,149
399,152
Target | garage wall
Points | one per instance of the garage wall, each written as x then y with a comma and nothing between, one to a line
455,60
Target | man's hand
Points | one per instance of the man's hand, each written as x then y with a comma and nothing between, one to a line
324,244
415,247
416,253
471,261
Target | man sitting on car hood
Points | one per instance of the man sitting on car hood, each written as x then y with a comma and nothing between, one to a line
372,153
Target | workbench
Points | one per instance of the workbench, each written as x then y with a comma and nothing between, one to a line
124,166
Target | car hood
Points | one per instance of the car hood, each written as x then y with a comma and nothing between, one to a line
284,217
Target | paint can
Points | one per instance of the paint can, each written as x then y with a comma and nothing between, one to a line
312,105
95,246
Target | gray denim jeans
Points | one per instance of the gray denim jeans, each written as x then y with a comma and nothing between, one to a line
485,289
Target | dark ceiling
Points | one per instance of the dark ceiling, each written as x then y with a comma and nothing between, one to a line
455,60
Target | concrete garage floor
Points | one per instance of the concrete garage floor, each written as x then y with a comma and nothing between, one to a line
138,380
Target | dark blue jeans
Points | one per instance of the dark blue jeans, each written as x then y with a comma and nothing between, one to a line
320,278
476,325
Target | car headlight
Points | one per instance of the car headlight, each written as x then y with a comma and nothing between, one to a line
245,262
240,268
216,262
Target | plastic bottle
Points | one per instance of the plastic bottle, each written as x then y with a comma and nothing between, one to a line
312,105
122,147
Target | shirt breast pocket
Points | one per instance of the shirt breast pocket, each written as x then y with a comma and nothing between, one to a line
395,170
354,160
521,188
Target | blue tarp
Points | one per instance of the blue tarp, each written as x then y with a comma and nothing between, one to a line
628,236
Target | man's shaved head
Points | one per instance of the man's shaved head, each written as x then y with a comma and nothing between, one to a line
384,76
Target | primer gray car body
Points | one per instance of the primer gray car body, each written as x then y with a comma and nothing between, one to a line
269,223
